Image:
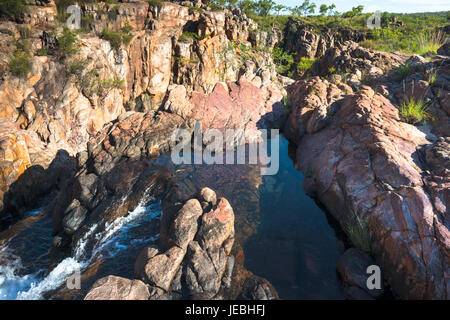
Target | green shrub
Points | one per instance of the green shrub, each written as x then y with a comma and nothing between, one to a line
13,8
187,35
68,42
283,60
77,66
24,45
112,83
431,76
332,70
415,110
20,63
286,104
25,32
116,39
155,2
403,70
305,63
42,52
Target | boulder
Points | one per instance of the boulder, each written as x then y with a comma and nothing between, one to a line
352,268
118,288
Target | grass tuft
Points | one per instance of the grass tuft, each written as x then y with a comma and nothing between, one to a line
429,42
415,110
359,234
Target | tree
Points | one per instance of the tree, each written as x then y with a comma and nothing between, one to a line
356,11
324,9
263,7
247,6
303,9
278,8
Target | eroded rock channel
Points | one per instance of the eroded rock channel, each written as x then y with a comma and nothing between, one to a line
88,186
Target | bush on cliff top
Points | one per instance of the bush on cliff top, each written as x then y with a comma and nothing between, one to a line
20,63
13,8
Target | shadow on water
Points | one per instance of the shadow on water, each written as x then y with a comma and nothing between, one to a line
295,248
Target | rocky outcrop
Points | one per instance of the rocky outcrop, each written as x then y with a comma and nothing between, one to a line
352,268
349,57
40,13
194,258
363,164
240,106
305,41
102,190
66,98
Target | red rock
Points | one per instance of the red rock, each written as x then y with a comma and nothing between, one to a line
363,162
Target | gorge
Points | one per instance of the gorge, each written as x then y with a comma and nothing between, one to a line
88,186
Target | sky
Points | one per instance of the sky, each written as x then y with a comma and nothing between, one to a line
396,6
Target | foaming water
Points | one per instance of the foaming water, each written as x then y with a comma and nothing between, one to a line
117,236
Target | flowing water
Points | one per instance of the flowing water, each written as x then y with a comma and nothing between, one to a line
286,237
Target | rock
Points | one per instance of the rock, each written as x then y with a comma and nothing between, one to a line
208,195
415,62
177,101
364,162
350,56
190,270
185,224
356,293
303,41
73,217
444,50
161,269
202,277
239,106
438,154
352,268
217,225
117,288
144,256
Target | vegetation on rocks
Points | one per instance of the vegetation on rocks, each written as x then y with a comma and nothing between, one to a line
415,110
116,39
20,63
68,42
13,8
359,234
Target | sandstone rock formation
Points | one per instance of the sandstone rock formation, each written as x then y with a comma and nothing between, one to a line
67,98
304,41
194,259
366,166
349,57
